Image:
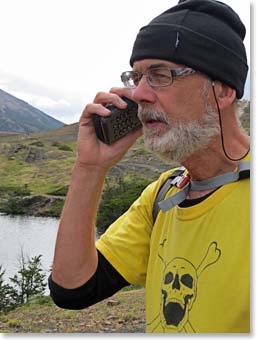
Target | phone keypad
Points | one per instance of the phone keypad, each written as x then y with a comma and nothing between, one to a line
118,124
123,123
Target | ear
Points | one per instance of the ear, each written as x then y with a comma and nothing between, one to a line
225,94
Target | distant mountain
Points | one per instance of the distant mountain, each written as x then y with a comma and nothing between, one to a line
18,116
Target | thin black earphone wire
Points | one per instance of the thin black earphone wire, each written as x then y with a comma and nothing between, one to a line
221,131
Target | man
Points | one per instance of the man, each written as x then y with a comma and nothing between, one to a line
189,66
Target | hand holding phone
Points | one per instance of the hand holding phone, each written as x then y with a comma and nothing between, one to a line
122,121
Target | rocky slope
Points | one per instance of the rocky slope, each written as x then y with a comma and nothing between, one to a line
18,116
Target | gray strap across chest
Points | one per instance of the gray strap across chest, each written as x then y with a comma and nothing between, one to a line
243,171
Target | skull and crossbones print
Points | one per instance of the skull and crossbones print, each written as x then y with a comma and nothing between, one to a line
179,290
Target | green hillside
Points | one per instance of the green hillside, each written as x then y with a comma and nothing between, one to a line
38,167
41,163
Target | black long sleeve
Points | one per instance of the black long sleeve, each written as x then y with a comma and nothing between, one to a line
104,283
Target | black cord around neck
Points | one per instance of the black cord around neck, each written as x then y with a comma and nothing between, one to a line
221,132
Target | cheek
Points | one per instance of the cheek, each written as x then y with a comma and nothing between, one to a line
194,96
187,106
181,109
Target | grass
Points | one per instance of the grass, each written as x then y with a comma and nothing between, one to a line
43,162
41,176
54,154
122,313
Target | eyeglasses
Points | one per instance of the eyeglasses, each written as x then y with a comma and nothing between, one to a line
156,77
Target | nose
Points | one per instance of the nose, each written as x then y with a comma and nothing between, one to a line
144,92
176,284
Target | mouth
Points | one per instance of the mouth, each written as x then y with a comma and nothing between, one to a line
154,123
152,118
174,310
173,313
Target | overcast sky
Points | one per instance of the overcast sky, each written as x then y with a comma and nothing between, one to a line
56,54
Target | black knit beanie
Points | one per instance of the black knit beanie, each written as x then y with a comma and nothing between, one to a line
206,35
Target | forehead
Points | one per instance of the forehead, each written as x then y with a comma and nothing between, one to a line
144,64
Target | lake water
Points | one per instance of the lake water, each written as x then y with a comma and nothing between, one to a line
30,235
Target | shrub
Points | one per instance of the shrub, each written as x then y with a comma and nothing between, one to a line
65,147
39,300
5,293
116,199
55,209
28,282
62,191
12,190
13,206
38,143
57,144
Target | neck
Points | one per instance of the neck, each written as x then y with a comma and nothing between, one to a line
213,162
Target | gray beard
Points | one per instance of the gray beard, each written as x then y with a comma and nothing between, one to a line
181,140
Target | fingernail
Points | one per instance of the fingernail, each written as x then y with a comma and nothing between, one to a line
106,110
124,104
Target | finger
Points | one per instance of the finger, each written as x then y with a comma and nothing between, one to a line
94,109
122,92
106,98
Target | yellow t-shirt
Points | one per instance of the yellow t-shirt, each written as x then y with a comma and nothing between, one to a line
194,262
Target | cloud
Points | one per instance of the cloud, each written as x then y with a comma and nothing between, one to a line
66,107
58,103
58,108
45,103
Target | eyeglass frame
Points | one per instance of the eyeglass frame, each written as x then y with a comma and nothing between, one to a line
178,72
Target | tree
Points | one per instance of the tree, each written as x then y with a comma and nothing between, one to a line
29,281
5,293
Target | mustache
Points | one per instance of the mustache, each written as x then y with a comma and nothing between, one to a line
147,113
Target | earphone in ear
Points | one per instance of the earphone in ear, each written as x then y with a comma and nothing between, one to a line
221,129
